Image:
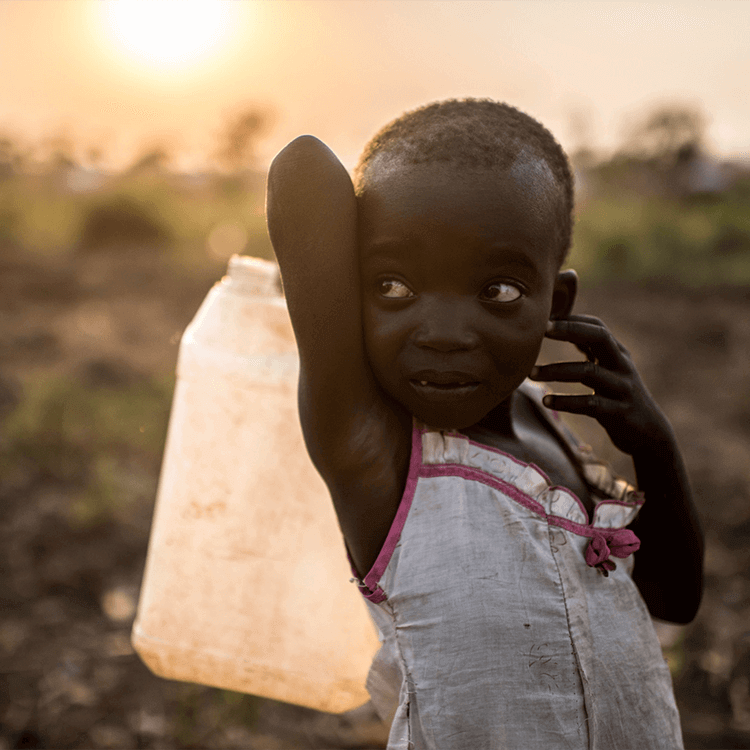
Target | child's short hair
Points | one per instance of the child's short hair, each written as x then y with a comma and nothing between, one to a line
476,133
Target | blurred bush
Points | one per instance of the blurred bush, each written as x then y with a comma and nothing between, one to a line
663,207
621,234
660,134
660,207
151,211
121,220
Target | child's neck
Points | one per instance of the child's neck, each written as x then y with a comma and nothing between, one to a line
501,419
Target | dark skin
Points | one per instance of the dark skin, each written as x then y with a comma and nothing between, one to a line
429,295
669,565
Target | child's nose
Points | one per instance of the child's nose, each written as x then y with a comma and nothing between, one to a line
446,326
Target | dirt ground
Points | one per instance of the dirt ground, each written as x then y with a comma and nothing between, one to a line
68,676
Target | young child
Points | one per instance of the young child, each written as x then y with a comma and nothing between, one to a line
510,574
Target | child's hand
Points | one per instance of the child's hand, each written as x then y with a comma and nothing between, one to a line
667,525
621,402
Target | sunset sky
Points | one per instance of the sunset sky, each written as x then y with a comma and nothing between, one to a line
122,74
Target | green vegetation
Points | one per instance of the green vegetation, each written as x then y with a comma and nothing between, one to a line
197,706
103,443
639,219
624,235
662,208
158,211
619,233
675,656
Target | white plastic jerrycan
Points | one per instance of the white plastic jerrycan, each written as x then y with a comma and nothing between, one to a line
246,585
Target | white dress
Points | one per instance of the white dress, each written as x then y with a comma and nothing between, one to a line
508,620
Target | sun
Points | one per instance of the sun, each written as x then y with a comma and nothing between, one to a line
168,33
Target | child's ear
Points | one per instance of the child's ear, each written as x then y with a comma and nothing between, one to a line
564,295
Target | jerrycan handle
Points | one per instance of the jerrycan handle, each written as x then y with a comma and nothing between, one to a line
252,276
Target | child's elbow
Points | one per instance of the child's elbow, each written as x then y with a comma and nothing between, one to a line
678,617
304,150
674,605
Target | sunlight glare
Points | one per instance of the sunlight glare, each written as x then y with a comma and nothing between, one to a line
168,33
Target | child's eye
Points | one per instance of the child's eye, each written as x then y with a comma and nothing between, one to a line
501,292
394,289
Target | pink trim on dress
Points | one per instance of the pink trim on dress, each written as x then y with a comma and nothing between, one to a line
477,475
607,501
513,458
537,469
369,587
619,542
622,540
567,491
507,455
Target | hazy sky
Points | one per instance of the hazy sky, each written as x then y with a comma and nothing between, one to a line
341,68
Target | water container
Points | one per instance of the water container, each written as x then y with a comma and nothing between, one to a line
246,585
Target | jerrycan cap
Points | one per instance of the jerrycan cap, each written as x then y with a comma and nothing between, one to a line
255,276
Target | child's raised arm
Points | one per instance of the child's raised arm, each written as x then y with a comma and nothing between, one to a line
312,221
669,564
356,440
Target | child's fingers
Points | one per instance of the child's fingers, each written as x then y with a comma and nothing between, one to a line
584,319
587,373
592,320
593,339
590,405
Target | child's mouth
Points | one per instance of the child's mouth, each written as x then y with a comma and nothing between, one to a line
453,389
444,386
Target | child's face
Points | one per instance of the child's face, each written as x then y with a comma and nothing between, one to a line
458,273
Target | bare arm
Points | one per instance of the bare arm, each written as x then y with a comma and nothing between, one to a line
311,212
356,440
669,564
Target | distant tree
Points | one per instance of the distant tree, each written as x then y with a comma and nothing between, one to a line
95,156
150,160
666,132
580,131
10,156
239,137
58,152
